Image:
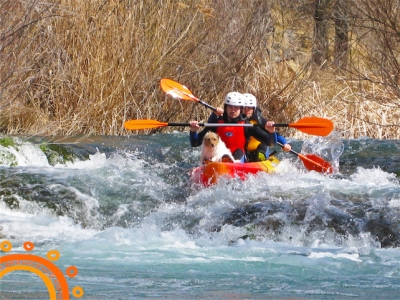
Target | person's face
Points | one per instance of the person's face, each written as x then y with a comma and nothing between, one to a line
233,111
248,111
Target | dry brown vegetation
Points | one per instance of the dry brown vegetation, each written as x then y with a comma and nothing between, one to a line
85,67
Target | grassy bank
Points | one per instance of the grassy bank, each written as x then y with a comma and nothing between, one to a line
85,67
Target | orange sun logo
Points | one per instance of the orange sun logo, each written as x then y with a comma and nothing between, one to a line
51,275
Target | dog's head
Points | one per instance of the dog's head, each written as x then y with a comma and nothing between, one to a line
211,139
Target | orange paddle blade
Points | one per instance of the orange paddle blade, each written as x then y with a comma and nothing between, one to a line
314,125
143,124
176,89
315,163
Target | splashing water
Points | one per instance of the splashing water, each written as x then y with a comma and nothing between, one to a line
123,211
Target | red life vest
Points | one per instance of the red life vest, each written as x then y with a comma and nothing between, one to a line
232,136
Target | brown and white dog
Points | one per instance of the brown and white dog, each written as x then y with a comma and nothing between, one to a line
214,149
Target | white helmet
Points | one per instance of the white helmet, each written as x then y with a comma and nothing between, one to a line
234,98
250,100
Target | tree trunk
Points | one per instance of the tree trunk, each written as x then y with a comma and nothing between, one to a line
320,45
341,33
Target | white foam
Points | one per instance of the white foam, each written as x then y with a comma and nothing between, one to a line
96,160
374,177
395,203
26,154
320,255
37,224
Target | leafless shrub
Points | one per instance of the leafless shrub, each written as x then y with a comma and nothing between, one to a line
85,67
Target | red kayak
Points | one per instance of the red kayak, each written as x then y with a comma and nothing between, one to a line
208,174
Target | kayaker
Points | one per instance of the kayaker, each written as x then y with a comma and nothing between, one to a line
256,150
235,137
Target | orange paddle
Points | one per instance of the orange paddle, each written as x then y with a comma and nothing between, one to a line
310,125
180,91
149,124
313,162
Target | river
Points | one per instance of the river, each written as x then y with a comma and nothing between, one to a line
123,212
